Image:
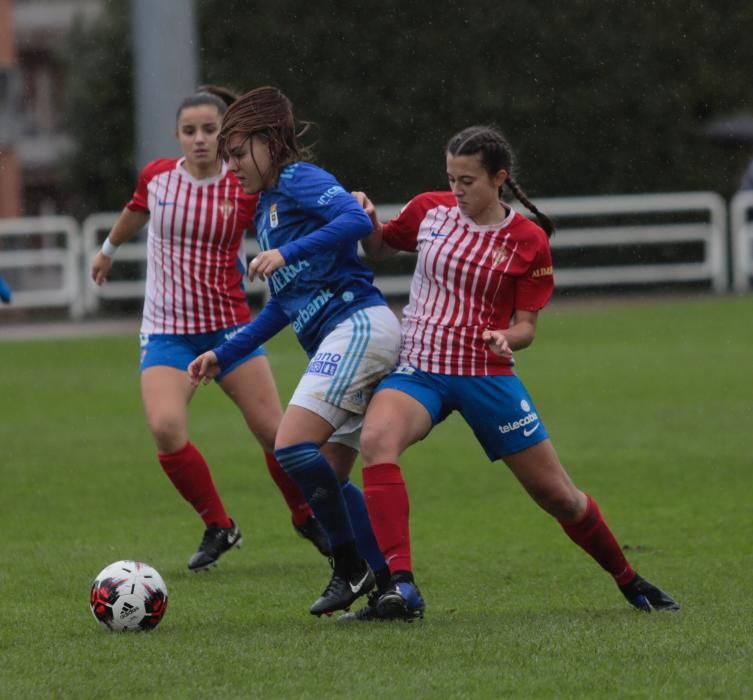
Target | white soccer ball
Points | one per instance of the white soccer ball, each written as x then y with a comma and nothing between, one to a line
128,595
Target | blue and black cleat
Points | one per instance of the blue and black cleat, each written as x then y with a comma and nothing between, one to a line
647,597
401,601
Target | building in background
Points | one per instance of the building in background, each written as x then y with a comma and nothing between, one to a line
38,33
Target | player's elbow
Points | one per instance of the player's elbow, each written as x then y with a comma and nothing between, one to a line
527,336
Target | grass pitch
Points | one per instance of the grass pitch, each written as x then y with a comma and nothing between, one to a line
649,404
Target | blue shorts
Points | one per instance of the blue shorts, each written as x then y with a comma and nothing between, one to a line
178,351
498,409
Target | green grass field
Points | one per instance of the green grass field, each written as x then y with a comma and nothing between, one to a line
650,405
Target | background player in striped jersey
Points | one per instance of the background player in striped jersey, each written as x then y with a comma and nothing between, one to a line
308,227
197,214
482,275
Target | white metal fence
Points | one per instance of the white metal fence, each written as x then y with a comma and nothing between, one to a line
603,241
42,255
741,248
642,222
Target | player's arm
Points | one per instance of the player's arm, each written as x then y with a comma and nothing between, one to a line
374,245
348,225
270,321
128,224
517,337
532,293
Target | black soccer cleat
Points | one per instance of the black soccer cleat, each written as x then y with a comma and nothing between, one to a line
313,531
401,601
647,597
216,541
342,590
368,613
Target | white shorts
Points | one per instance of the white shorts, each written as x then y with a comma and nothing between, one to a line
348,364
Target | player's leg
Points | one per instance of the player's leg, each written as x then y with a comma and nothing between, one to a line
252,388
166,392
336,386
341,452
403,411
301,434
540,472
506,422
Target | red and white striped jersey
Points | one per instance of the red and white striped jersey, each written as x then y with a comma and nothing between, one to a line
195,259
468,278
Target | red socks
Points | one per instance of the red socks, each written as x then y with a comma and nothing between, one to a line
299,507
592,534
190,474
389,511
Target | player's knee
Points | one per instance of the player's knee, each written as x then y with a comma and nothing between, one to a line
169,432
293,458
561,503
266,440
378,444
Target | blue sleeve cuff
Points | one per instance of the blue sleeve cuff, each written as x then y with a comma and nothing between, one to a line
270,321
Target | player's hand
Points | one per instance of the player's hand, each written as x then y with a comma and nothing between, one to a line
368,207
264,264
100,268
497,343
204,368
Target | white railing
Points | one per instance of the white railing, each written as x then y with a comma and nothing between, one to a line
741,227
684,209
93,232
49,258
43,254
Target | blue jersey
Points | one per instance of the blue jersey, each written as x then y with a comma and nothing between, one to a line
316,225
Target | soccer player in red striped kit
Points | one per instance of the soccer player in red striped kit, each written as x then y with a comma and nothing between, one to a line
482,274
197,213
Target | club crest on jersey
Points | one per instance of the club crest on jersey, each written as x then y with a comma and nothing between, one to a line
500,255
226,208
273,219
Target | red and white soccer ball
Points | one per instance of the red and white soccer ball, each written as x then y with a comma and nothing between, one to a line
128,596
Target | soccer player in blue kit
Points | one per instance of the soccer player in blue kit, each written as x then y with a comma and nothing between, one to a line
308,227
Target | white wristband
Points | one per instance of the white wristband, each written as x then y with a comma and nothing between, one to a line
108,248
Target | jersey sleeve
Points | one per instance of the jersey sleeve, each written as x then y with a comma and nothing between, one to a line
320,195
140,198
401,233
534,289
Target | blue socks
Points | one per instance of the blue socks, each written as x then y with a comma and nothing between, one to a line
309,469
359,517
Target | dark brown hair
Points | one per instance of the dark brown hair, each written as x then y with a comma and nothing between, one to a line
496,155
267,113
215,95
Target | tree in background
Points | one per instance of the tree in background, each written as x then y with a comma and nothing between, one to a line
597,97
100,112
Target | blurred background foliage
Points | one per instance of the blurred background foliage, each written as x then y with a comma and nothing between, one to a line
596,97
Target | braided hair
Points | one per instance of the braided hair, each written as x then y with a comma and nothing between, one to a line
496,155
267,113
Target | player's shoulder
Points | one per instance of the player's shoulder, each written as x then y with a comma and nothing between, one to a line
420,205
303,172
310,184
431,200
158,166
524,228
